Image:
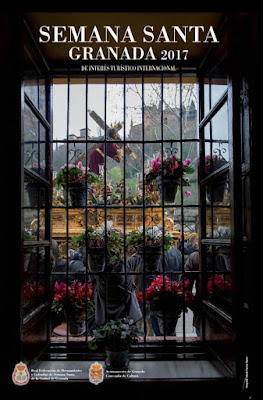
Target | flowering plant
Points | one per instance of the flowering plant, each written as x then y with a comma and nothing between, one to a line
39,169
96,238
164,294
153,237
75,297
75,174
217,284
117,335
213,163
171,165
32,291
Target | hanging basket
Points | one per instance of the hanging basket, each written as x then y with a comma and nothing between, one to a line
96,258
216,192
36,195
168,187
151,256
167,322
77,194
117,359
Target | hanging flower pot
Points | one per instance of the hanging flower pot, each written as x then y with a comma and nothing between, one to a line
151,256
96,257
117,359
36,195
167,187
77,194
167,322
216,192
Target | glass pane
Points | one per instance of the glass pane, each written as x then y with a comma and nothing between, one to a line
60,102
152,109
34,143
217,192
171,108
218,88
189,111
206,96
133,117
77,110
31,89
219,283
42,97
34,194
114,108
218,227
96,108
220,124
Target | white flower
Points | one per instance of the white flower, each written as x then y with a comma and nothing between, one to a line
101,230
125,327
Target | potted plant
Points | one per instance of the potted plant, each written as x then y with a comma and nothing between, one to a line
36,193
33,293
73,178
219,289
215,192
117,337
150,248
75,300
169,173
166,299
95,241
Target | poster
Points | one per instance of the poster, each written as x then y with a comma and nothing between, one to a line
157,46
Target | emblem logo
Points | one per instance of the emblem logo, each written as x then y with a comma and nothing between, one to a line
96,374
20,375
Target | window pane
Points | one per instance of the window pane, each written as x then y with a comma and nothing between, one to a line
218,88
133,118
34,143
152,109
60,101
189,111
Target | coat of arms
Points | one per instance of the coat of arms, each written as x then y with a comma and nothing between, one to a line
20,375
96,375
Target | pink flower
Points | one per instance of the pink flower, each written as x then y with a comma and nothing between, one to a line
155,164
80,166
188,193
187,161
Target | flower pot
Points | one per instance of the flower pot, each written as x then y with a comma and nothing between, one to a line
36,195
168,187
167,322
216,193
76,327
77,194
117,359
151,256
96,258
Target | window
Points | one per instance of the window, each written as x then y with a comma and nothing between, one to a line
37,189
215,192
153,118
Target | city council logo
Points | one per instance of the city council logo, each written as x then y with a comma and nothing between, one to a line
20,375
96,375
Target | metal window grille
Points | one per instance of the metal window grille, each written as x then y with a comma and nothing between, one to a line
74,148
